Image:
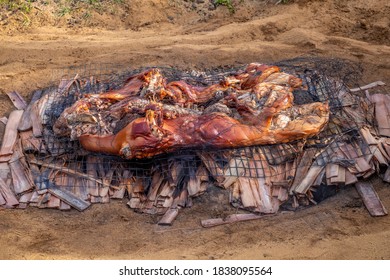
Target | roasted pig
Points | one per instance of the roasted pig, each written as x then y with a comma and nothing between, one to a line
150,116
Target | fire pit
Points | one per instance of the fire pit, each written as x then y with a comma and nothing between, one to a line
272,136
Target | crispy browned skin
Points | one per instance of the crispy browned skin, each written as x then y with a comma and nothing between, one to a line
157,130
140,139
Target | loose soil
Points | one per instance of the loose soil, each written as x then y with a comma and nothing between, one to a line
193,35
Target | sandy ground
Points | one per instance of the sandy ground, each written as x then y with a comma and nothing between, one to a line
171,33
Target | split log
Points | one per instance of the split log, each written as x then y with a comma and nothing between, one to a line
34,198
235,168
107,179
4,120
370,199
54,202
25,123
382,112
2,200
10,135
350,178
169,217
305,161
386,176
25,197
231,219
309,180
211,164
21,175
340,178
64,206
91,166
4,171
17,100
320,178
43,200
7,194
365,87
69,198
36,120
125,183
30,143
247,196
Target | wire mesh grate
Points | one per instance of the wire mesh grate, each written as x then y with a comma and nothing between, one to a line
275,162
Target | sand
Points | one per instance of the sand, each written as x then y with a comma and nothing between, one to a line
194,35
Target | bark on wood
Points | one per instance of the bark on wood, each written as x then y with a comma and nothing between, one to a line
10,135
371,199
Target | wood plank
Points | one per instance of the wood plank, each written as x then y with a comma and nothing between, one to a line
234,169
4,120
303,167
11,133
309,179
25,122
17,100
2,200
370,199
69,198
36,120
64,206
30,143
231,219
7,194
21,174
382,113
350,178
340,178
54,202
26,197
247,198
169,217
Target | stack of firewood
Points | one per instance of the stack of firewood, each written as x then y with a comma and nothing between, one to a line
38,169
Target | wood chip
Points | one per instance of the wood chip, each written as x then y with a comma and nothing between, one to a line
370,199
